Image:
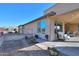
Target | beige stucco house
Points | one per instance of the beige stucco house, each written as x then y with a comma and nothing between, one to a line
64,14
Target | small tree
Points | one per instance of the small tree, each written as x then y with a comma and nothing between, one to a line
15,30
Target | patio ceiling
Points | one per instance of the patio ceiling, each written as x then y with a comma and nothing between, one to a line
69,17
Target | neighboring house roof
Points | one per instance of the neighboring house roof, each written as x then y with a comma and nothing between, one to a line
2,29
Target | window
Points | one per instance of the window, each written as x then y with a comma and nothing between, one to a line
41,26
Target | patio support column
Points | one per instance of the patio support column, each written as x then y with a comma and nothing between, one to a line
52,30
63,27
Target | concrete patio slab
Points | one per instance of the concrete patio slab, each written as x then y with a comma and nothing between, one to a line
45,45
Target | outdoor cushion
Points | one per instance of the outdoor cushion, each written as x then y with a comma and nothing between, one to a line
66,37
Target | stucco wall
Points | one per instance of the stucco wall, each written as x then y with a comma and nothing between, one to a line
31,28
28,29
50,28
73,27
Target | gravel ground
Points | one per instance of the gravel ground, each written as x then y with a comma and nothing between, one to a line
10,48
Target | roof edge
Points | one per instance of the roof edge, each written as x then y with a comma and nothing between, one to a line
51,7
39,18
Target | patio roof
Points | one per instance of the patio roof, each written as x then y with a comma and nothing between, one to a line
69,17
61,8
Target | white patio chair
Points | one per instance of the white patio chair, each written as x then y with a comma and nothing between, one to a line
63,36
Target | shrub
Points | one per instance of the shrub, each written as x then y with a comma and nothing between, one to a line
36,36
33,41
53,52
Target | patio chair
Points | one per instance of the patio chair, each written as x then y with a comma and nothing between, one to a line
63,36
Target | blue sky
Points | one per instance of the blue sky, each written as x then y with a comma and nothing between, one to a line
16,14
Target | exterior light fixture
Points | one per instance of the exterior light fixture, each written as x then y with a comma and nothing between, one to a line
51,13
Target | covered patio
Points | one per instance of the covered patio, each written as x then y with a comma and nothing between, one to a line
69,24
